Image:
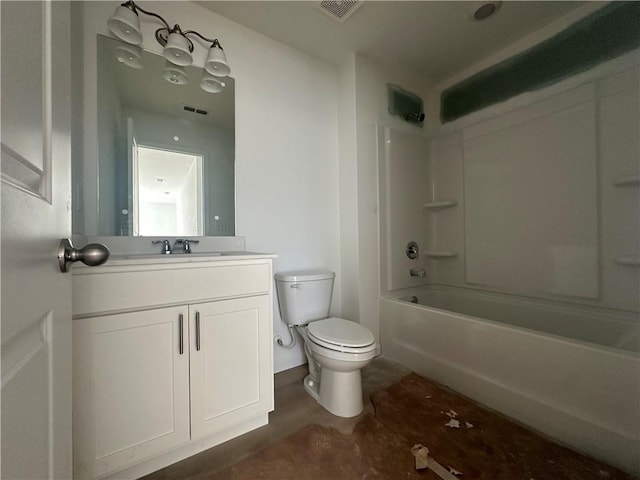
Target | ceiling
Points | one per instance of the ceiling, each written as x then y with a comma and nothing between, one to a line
435,39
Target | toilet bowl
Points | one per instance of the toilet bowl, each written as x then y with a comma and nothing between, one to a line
336,349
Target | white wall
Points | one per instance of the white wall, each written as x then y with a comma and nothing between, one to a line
286,140
348,175
359,178
188,202
111,151
157,218
77,136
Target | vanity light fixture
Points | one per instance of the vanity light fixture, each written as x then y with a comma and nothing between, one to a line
211,84
175,74
129,55
125,24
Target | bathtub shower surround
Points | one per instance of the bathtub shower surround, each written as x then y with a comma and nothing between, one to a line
527,217
540,209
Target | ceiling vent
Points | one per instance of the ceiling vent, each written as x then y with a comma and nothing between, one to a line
339,10
483,10
191,109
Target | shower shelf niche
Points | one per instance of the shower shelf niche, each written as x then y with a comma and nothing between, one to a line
440,254
439,204
627,181
630,260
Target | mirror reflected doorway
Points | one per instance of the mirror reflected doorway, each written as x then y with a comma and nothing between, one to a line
166,192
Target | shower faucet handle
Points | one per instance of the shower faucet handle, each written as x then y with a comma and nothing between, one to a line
412,250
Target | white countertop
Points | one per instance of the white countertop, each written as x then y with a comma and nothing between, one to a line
152,258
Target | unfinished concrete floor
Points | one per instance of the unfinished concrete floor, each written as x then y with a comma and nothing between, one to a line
294,409
304,442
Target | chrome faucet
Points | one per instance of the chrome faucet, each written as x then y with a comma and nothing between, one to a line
418,272
185,244
166,246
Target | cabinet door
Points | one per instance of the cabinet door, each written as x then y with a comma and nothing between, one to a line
131,388
231,363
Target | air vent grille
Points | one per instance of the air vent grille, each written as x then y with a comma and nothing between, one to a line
339,10
191,109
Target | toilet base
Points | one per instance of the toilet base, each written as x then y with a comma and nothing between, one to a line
338,392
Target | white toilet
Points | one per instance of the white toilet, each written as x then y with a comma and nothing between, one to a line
336,348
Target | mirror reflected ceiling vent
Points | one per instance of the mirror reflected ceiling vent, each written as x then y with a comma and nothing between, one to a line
191,109
339,10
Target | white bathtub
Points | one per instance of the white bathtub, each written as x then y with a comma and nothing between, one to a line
569,371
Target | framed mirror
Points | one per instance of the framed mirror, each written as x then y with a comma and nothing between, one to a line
165,146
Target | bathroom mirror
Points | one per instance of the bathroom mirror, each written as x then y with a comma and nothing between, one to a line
165,148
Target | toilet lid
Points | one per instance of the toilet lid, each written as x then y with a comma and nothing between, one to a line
340,332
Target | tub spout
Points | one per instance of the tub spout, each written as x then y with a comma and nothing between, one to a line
418,272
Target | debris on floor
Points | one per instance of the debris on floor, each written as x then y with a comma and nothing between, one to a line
454,471
453,423
422,456
423,460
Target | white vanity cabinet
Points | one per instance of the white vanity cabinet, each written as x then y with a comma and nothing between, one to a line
163,373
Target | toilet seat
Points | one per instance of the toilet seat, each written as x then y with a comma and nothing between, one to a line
341,335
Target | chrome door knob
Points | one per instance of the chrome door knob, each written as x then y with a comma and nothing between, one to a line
93,254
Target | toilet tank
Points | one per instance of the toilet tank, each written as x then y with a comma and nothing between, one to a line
304,296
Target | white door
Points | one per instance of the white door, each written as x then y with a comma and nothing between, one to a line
36,201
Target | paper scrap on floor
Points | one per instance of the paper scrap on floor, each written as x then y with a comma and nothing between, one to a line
423,460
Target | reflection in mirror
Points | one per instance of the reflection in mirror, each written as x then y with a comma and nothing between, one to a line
165,146
167,191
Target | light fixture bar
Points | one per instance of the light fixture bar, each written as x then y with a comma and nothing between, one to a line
193,32
162,36
135,7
